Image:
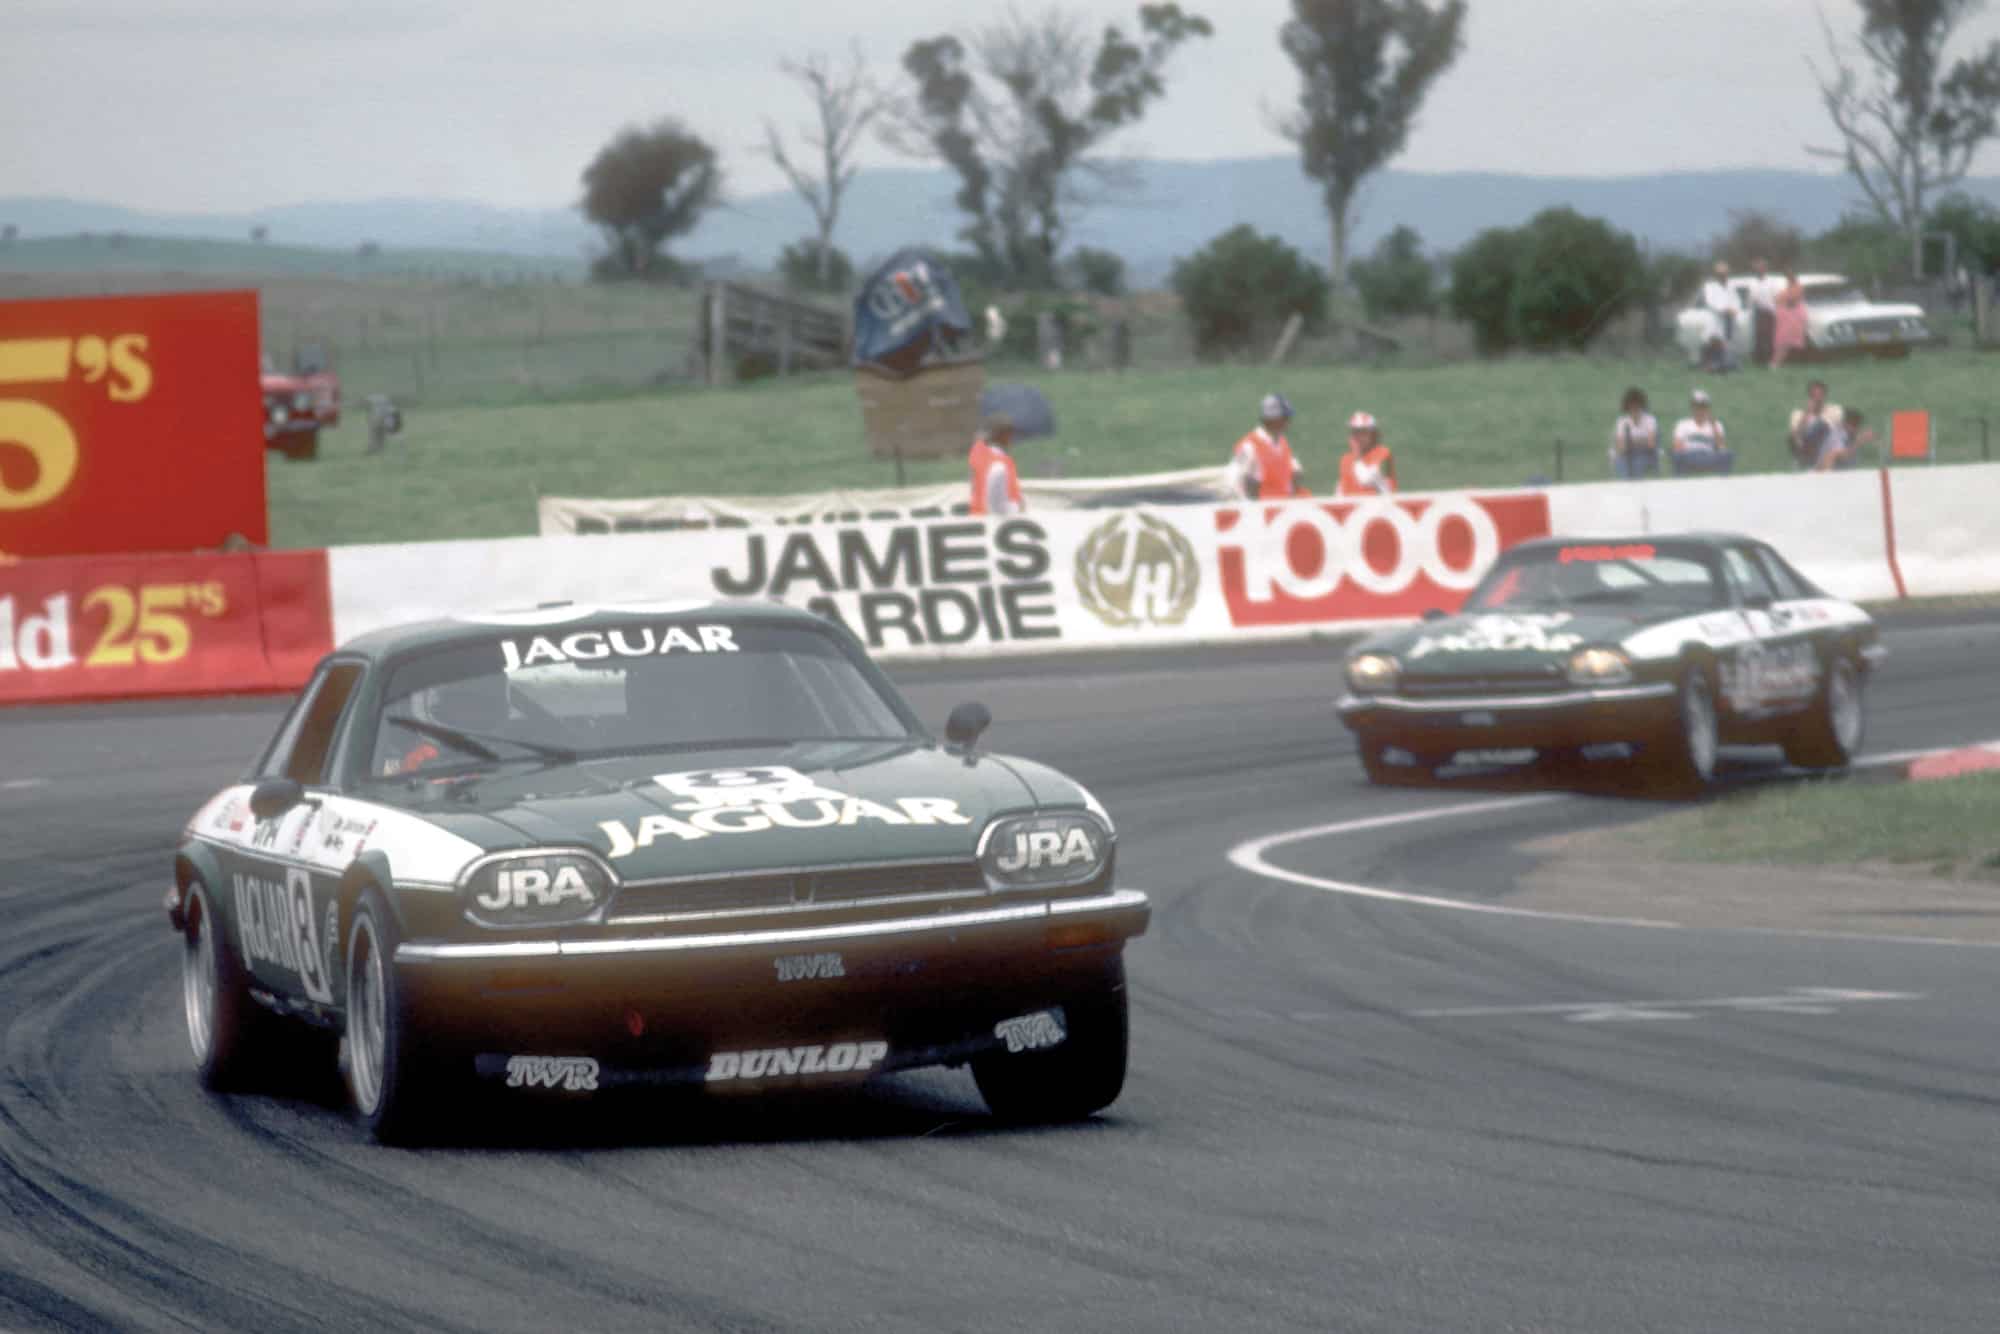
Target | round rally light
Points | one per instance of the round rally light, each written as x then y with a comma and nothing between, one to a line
1044,851
535,889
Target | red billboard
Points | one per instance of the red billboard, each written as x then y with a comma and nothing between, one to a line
130,424
1305,562
97,627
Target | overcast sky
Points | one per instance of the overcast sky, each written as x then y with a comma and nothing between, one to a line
215,105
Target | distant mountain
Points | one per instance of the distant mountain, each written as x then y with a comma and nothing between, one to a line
1175,208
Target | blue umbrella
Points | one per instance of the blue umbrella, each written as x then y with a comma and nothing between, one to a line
1031,412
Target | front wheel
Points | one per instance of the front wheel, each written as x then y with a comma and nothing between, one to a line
225,1026
1688,749
383,1080
1829,735
1084,1073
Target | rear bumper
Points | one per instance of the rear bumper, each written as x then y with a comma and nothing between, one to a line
1559,718
658,1008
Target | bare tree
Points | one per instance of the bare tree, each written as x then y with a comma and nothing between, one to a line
1021,111
1908,128
845,101
1364,69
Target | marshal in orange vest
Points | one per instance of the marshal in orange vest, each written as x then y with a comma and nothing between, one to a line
982,460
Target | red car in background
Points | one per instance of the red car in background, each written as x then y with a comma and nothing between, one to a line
298,404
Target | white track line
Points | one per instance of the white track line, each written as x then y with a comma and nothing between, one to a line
1250,856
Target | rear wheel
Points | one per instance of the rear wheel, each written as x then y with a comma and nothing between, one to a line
1082,1074
226,1027
1829,735
1687,751
383,1080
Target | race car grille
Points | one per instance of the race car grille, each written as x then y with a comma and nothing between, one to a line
796,890
1527,682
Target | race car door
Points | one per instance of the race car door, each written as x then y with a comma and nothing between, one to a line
1776,670
284,908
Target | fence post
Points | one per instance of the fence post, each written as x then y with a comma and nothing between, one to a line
1559,458
1985,441
718,333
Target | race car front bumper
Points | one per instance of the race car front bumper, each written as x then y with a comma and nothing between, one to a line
659,1006
1553,719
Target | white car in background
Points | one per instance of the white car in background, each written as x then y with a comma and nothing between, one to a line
1841,320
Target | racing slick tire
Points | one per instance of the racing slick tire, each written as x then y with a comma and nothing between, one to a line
1081,1075
1686,752
1383,772
1829,735
389,1089
226,1028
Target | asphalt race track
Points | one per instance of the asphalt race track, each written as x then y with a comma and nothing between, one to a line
1344,1113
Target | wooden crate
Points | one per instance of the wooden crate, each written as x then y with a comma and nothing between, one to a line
931,413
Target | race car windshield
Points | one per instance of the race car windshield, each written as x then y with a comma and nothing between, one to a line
559,693
1635,574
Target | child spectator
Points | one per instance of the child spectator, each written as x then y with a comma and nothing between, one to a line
1843,441
1701,446
1635,438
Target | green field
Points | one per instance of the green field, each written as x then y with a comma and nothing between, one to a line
1944,827
474,469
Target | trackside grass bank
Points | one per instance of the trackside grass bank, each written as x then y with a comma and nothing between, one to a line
474,471
1942,828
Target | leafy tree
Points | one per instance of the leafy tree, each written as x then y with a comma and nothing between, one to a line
1865,249
1755,235
1019,113
1365,67
1098,271
1482,287
812,267
1397,279
1674,275
844,103
645,187
1240,288
1552,283
1572,275
1909,127
1976,226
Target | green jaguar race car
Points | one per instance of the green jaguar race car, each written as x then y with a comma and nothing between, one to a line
577,849
1661,647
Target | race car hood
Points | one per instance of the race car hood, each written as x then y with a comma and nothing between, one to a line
721,811
1505,643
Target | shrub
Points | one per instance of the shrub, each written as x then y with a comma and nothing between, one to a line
1097,271
1482,287
1572,276
1396,279
798,264
1240,288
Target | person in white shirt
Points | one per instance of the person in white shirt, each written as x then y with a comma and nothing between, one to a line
1701,446
1764,289
1718,297
1635,438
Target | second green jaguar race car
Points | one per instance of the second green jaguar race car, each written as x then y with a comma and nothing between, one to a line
1666,647
709,845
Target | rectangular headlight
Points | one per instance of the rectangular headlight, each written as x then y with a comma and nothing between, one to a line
1368,673
524,889
1599,667
1043,851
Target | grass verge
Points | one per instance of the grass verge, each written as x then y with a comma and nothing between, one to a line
1943,827
475,470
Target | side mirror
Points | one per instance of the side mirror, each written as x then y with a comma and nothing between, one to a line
966,723
272,797
1433,614
1757,601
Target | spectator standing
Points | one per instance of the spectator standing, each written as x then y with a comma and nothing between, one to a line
1635,438
1263,463
1367,468
1720,300
1810,426
1788,334
1701,446
1764,289
996,487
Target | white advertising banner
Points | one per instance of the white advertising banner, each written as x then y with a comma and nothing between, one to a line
1947,528
558,516
962,587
